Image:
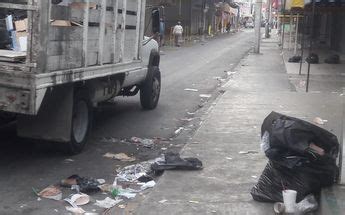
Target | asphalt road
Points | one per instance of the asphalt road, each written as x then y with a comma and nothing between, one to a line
27,164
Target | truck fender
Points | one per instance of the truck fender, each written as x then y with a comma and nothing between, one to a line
154,58
154,61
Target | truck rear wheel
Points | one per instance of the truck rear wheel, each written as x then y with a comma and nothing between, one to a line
81,122
150,89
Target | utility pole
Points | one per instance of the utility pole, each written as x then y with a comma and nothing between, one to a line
258,8
204,12
268,19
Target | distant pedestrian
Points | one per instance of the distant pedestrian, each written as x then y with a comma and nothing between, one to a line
161,32
177,32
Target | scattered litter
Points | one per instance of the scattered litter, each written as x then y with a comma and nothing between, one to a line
307,205
191,113
148,143
101,181
24,205
127,193
187,119
229,73
69,160
39,199
51,192
120,156
76,200
107,202
75,210
82,184
228,158
56,210
248,152
192,90
163,201
319,121
164,149
254,176
134,172
279,207
122,206
302,83
205,95
174,161
195,202
179,130
147,185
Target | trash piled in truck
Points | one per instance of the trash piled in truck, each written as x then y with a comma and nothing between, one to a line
302,157
15,27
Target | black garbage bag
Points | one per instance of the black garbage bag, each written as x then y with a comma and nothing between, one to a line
333,59
293,162
312,58
290,138
275,178
295,59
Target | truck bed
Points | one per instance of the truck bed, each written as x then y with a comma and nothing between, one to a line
69,42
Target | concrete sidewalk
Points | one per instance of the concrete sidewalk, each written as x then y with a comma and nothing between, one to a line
260,85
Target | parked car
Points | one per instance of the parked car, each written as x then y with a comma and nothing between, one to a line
249,24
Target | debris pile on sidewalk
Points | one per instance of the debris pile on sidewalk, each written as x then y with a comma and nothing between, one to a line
302,157
129,181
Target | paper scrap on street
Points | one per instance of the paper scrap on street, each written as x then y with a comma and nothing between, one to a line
248,152
101,181
205,96
148,143
107,202
319,121
147,185
51,192
179,130
75,210
120,156
192,90
163,201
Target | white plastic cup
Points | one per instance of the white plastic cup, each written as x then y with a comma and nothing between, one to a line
289,197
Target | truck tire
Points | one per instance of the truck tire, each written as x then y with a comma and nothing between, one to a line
150,89
81,122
